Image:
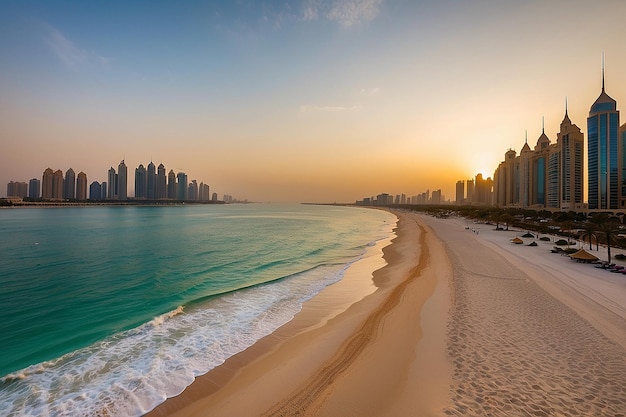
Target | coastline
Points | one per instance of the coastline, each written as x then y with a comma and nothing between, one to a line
333,364
460,321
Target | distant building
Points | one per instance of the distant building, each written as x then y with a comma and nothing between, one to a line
112,181
17,189
34,188
151,182
460,192
141,183
122,181
204,192
470,191
192,191
214,197
69,185
171,185
46,183
182,186
81,186
161,183
436,197
95,191
57,185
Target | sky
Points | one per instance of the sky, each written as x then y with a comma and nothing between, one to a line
298,101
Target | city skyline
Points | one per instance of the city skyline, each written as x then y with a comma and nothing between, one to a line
311,101
150,185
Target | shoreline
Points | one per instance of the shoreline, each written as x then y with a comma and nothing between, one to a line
323,365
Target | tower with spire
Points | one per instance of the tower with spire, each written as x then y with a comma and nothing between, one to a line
570,144
606,180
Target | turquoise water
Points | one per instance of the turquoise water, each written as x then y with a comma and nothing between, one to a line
118,308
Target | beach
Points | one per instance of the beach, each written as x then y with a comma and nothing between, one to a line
458,321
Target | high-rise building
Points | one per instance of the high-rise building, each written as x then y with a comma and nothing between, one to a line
161,186
539,171
57,185
17,189
69,184
34,188
122,181
81,186
182,186
606,180
112,188
95,191
203,194
570,143
460,192
141,183
524,173
46,183
622,135
171,185
192,191
151,182
470,191
103,189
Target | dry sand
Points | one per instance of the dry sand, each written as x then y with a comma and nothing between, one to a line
519,349
457,323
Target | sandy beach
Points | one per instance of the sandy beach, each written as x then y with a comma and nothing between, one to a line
459,321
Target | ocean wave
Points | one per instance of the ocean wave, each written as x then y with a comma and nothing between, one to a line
131,372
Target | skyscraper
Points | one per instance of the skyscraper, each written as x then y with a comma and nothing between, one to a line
460,192
192,191
69,184
57,184
171,185
570,142
122,181
34,188
606,178
81,186
151,182
95,191
46,183
161,187
141,184
539,171
182,186
112,188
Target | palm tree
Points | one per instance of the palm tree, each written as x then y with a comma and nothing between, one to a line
609,227
507,219
589,230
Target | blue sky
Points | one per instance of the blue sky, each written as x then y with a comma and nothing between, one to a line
318,100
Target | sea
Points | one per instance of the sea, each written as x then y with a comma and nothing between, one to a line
110,310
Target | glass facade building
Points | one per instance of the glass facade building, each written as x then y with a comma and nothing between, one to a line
605,178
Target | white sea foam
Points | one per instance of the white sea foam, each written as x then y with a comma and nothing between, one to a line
130,373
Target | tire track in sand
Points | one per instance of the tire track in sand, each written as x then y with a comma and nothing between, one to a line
312,393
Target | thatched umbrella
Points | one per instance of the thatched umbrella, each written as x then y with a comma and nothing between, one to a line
583,255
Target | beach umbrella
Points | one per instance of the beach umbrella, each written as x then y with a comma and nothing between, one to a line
583,255
517,240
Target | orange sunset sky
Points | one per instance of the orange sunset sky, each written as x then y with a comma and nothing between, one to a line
312,100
